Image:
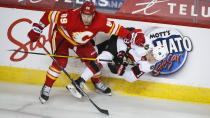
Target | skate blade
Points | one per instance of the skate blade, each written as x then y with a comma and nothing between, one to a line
74,92
100,92
42,100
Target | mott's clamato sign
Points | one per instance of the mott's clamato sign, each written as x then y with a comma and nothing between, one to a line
178,46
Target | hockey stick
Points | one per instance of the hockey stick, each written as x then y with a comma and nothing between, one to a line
73,82
52,55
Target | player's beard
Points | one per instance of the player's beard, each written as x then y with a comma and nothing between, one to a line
87,23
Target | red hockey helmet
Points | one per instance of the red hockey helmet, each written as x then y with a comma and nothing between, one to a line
88,8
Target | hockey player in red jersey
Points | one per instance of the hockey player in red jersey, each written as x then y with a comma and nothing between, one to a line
74,29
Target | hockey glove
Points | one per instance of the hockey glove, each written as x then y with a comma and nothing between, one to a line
136,38
35,32
121,57
117,68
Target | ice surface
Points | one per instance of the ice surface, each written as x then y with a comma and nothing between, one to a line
21,101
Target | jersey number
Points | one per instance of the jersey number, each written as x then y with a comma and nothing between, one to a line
63,19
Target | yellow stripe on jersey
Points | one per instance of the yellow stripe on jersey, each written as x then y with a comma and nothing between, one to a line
53,16
67,37
118,29
111,30
49,17
56,17
115,29
55,70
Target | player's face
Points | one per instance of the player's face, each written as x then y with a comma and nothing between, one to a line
150,57
87,19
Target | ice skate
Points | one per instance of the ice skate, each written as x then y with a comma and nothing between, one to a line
44,94
100,87
75,91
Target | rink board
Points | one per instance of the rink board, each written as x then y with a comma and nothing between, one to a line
118,86
189,83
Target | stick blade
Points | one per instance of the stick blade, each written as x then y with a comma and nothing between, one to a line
104,111
11,50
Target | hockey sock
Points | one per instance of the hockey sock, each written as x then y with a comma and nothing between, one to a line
52,75
96,79
87,74
49,82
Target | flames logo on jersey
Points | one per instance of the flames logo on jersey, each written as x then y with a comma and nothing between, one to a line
82,37
178,47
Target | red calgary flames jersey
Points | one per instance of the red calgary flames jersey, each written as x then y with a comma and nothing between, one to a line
70,25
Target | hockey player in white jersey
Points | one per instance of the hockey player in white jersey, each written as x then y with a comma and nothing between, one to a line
130,61
133,61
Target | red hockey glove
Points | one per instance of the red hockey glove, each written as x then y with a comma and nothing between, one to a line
35,32
121,69
117,68
136,38
120,64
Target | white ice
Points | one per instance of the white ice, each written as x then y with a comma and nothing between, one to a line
21,101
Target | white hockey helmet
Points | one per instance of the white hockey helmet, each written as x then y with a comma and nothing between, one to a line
160,52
